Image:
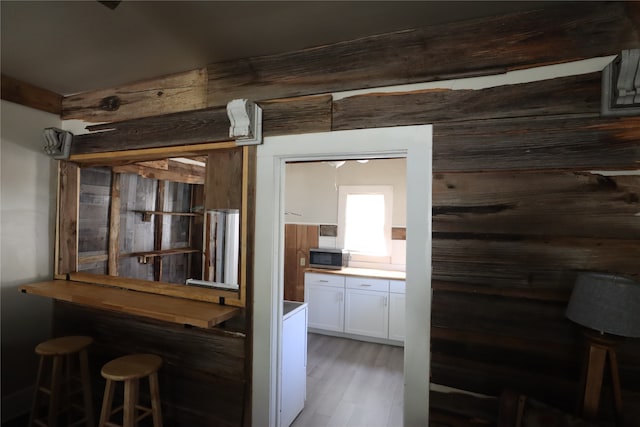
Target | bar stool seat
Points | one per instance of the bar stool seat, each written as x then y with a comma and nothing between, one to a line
61,352
130,369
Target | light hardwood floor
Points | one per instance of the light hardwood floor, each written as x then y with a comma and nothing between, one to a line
352,383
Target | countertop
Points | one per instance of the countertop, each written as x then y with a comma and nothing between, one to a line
362,272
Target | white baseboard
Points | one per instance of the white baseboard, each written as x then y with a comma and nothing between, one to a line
16,404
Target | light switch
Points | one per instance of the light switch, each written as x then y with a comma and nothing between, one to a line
303,261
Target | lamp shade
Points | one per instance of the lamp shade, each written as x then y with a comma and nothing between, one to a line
606,303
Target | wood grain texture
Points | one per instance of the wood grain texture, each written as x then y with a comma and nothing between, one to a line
162,95
188,174
192,127
520,261
223,187
68,200
23,93
153,306
565,95
298,239
573,143
114,225
464,49
202,379
551,203
297,115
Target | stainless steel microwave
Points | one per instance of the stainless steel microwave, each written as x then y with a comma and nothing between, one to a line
333,259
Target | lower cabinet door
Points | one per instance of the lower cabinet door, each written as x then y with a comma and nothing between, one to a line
396,317
326,307
367,313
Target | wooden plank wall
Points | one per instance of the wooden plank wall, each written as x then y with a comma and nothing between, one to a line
202,378
517,211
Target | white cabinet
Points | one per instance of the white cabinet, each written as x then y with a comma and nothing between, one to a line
354,305
324,293
397,310
294,361
367,307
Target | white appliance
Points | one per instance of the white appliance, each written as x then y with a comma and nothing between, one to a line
294,361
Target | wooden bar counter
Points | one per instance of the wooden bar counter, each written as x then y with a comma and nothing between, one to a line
159,307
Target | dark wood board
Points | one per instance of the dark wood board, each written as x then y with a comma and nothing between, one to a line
19,92
564,95
573,143
67,230
463,49
556,203
519,261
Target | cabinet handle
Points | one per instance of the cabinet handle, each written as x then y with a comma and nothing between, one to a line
385,301
366,285
323,281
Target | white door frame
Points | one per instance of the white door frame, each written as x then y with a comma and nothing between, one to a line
412,142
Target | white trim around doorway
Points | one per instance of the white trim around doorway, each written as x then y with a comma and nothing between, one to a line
412,142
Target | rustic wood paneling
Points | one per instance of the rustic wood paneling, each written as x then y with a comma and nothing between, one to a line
565,95
470,48
26,94
527,261
550,203
203,373
168,94
224,180
297,115
578,143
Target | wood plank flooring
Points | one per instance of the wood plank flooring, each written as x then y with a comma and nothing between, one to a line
352,383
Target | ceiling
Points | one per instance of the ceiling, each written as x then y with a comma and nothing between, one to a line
76,46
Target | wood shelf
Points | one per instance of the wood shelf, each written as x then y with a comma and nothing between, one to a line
160,307
146,215
143,257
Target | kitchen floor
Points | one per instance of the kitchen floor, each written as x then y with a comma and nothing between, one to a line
352,383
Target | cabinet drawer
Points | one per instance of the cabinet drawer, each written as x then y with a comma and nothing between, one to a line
368,283
324,279
397,286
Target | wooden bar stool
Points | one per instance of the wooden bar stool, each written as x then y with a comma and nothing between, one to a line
62,380
130,369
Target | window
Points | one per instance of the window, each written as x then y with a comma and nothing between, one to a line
364,221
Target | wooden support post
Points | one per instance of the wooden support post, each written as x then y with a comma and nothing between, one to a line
68,200
158,230
114,225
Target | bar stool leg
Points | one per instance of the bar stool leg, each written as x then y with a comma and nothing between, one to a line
86,388
107,401
52,420
35,405
130,401
154,390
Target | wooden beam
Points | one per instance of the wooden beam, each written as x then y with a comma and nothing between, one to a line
572,143
114,225
31,96
297,115
471,48
158,224
565,95
163,95
178,175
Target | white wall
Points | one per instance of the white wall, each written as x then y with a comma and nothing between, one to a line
27,215
311,188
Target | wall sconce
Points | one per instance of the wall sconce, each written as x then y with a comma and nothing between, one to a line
621,85
57,143
246,122
608,306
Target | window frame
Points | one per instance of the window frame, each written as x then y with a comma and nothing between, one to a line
387,191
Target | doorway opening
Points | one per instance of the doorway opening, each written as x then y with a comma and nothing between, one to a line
412,142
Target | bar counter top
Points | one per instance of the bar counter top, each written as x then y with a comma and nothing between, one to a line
160,307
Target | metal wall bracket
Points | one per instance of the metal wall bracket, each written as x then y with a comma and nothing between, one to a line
621,85
246,122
